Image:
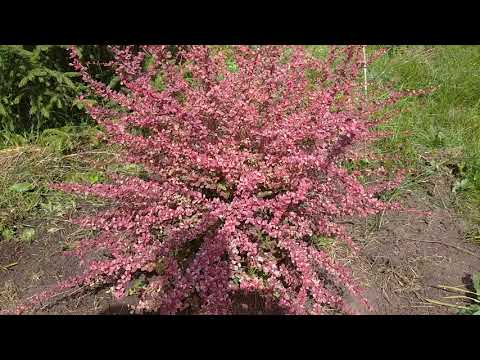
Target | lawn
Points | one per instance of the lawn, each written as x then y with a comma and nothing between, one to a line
445,124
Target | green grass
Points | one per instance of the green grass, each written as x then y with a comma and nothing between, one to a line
62,155
445,123
58,155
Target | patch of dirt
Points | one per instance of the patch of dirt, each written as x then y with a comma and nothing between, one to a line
402,262
41,264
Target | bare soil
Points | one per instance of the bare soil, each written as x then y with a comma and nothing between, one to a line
43,264
403,260
403,257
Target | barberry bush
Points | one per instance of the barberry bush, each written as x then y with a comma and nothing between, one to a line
243,149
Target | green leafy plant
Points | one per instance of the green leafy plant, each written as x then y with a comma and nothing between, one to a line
6,233
461,185
136,286
28,235
472,297
90,177
474,309
22,187
322,242
37,88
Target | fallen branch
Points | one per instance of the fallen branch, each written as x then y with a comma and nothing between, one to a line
62,296
455,289
462,297
446,304
7,267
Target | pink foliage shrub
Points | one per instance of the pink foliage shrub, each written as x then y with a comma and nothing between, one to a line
243,150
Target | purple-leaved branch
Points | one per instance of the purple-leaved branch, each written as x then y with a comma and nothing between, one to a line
244,172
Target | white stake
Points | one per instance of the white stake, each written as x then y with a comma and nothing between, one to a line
365,84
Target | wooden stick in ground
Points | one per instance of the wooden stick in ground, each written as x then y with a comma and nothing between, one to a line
365,83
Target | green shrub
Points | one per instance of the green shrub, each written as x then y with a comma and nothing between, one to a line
38,88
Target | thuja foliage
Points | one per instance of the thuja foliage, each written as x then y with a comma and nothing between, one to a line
242,149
